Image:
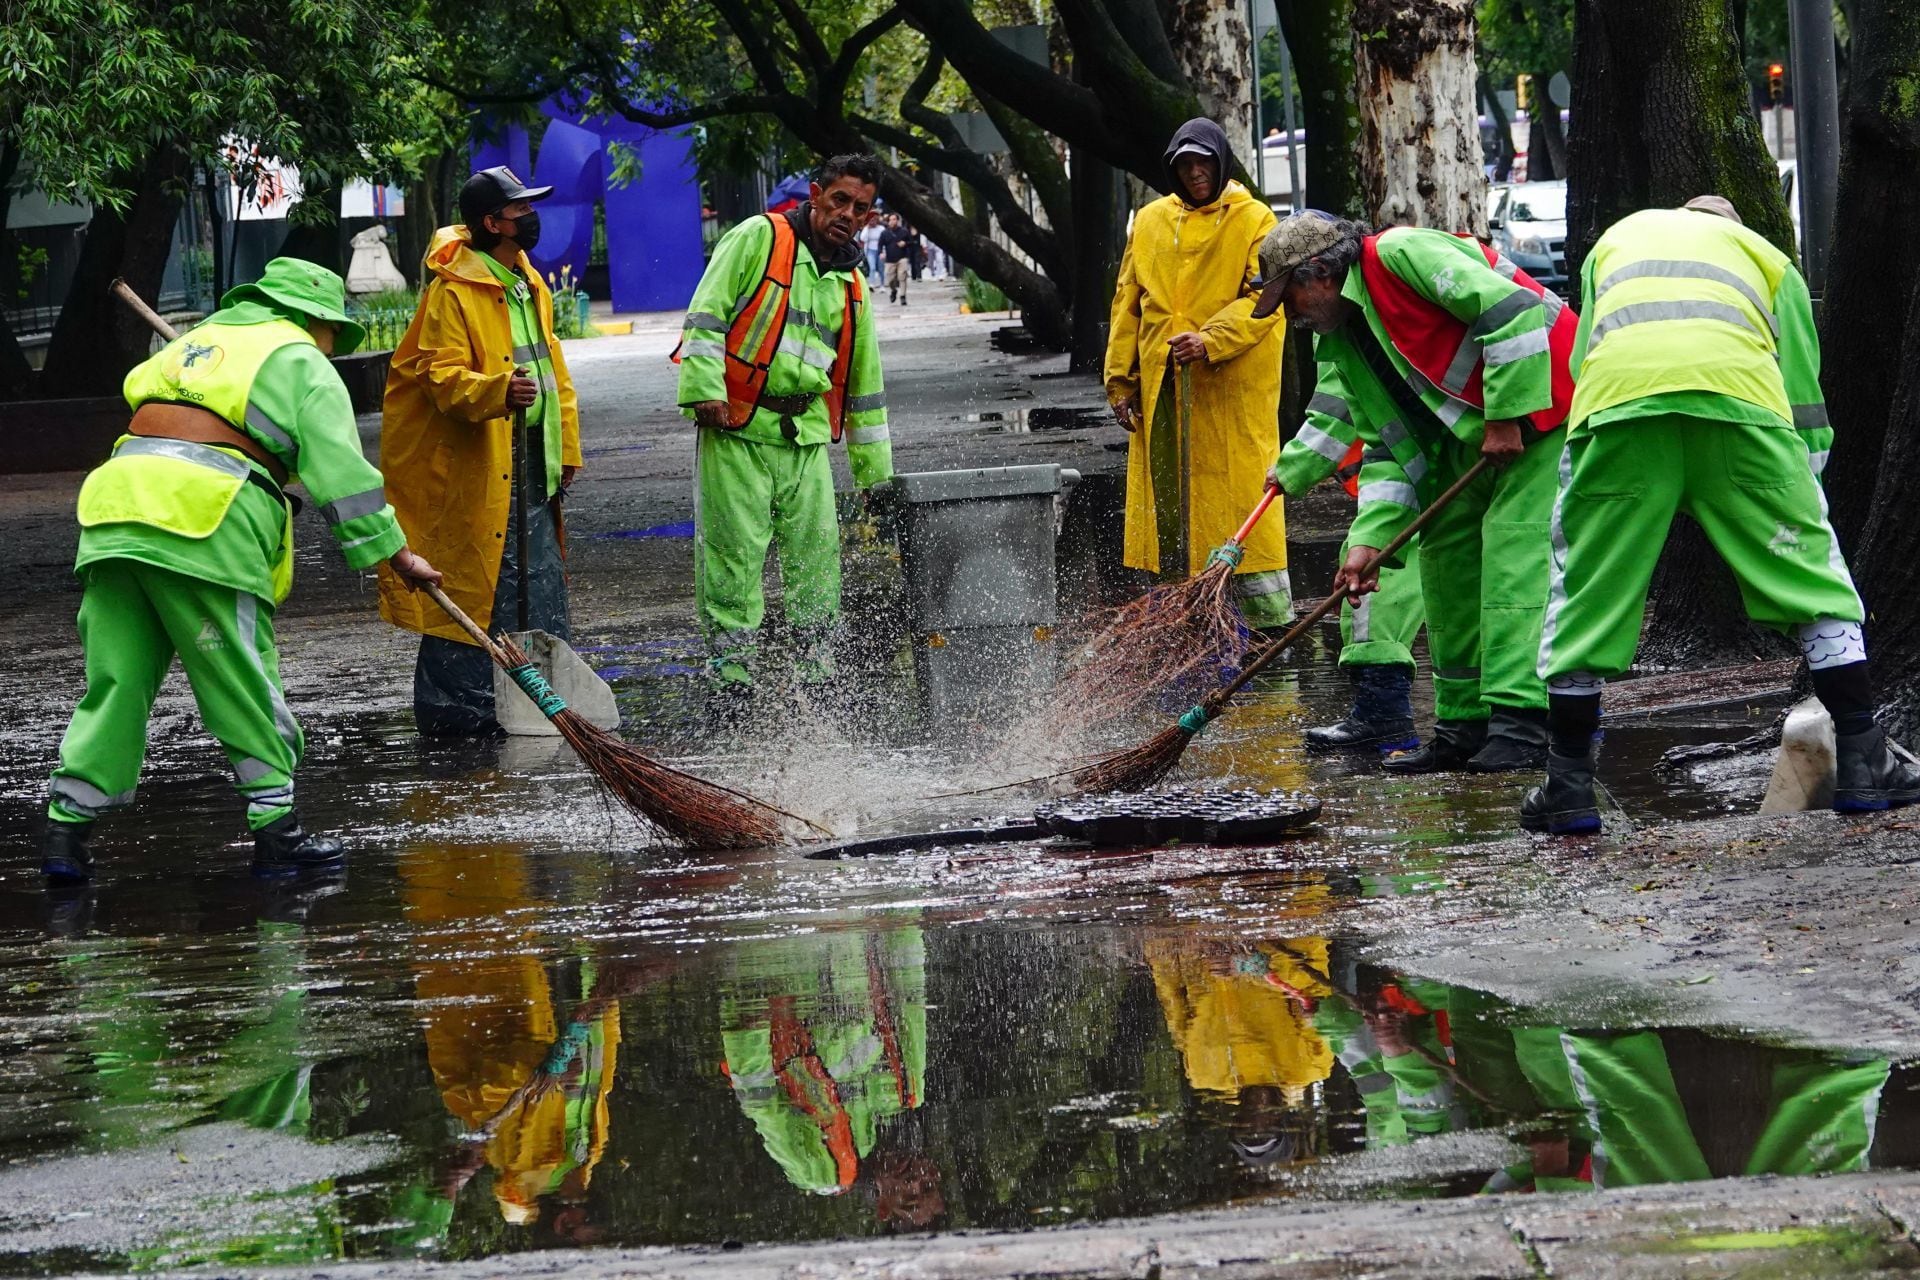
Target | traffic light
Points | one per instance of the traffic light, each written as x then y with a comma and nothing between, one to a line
1776,74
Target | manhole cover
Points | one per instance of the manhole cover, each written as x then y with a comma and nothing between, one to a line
1186,814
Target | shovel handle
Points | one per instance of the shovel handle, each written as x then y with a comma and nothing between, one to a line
467,624
1219,699
124,291
1266,500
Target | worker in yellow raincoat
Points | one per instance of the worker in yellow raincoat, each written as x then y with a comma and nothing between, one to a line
1185,301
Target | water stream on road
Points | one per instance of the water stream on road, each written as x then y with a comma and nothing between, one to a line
515,1027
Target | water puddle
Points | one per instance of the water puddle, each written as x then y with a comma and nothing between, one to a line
1040,418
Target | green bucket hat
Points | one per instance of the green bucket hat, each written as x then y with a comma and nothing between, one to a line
308,288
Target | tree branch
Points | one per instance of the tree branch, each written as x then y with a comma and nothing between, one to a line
810,43
1033,152
858,43
489,97
914,108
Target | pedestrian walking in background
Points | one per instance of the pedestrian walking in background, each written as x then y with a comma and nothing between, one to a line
896,249
1184,301
916,250
186,547
479,354
870,236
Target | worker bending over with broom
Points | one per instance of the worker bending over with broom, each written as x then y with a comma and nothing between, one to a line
479,400
1182,317
1377,631
1698,360
186,546
780,358
1438,352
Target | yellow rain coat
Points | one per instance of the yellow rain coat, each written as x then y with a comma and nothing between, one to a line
1190,270
1238,1030
446,435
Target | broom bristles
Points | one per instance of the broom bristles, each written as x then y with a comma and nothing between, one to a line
697,813
1137,767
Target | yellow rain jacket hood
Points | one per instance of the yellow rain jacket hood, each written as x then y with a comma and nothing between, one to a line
446,435
1185,270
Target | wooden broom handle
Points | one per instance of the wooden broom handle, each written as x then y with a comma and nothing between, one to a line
467,624
124,291
1332,602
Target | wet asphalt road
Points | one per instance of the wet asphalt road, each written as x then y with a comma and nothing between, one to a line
199,1068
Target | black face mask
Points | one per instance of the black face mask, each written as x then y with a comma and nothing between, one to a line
526,232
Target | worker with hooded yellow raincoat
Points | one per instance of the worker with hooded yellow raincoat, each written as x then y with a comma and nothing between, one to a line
1184,303
480,353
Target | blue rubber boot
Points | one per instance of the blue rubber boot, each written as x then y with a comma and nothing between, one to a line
64,856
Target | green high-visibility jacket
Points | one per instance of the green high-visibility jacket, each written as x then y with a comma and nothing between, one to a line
804,363
1686,312
190,508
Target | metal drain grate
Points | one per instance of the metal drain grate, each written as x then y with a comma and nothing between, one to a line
1188,815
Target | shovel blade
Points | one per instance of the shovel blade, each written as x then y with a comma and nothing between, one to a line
576,682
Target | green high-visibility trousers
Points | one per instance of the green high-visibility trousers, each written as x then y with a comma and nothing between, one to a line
1754,494
134,617
749,494
1483,576
1381,629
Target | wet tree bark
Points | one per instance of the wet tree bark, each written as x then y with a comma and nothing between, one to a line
1660,114
1865,334
1890,545
1211,39
97,339
1320,34
1419,126
1099,234
321,243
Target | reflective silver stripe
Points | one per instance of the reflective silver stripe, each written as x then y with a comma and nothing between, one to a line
83,797
867,403
251,770
1466,356
1452,411
538,351
1554,305
246,613
1504,266
1685,269
1268,582
1556,566
797,346
1415,467
186,451
1817,459
267,427
868,435
1655,312
697,347
354,505
1393,433
1456,673
1517,348
1330,405
1395,491
273,799
1312,437
1362,615
1807,417
706,320
829,336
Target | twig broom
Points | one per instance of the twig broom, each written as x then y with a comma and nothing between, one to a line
697,813
1143,765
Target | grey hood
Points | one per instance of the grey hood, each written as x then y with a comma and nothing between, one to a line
1205,133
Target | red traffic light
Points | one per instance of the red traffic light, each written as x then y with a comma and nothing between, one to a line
1775,69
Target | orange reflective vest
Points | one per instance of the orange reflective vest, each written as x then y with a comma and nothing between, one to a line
754,337
1431,338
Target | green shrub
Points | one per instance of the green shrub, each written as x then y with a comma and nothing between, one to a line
982,296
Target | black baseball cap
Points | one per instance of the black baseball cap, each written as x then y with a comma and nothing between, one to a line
491,190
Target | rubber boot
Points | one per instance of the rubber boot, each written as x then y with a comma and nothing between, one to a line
1382,715
1454,743
281,848
1873,773
1516,740
1564,804
64,856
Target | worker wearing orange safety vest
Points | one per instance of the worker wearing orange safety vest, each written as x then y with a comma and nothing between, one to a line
779,358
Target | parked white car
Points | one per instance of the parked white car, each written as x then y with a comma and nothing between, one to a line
1527,221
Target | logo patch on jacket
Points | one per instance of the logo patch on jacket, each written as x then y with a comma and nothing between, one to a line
1786,541
191,360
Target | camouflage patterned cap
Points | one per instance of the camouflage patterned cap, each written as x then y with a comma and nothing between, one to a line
1298,237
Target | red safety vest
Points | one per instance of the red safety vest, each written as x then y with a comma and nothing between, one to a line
1429,338
748,363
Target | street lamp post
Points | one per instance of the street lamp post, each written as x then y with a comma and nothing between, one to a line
1816,132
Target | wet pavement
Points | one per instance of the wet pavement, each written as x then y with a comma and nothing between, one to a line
517,1025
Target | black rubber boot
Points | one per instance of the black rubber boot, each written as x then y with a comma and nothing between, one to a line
1454,743
1873,773
1564,804
64,856
281,848
1382,715
1516,741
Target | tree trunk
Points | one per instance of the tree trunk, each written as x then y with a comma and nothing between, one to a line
1319,33
1504,155
1211,38
1876,257
1660,114
16,374
1098,234
1890,545
1419,129
323,243
1546,140
97,339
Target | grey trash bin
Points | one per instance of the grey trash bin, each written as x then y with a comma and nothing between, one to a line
977,552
